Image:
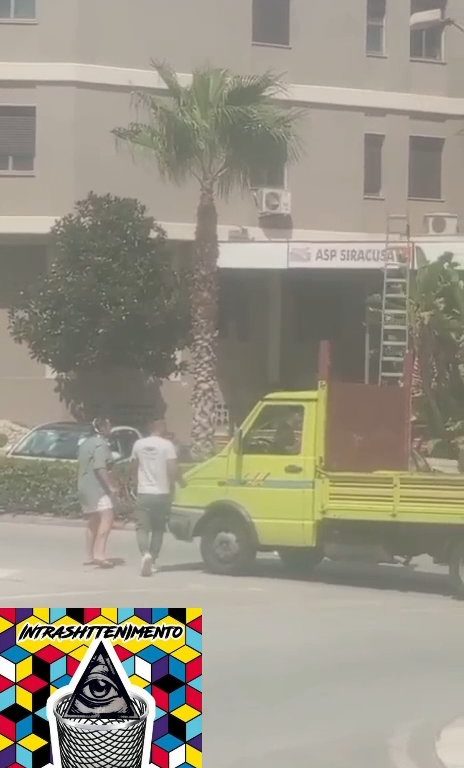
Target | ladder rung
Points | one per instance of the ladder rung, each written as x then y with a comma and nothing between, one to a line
396,296
393,359
392,375
401,280
386,343
396,328
396,311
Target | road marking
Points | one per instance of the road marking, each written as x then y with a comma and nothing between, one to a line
399,746
450,745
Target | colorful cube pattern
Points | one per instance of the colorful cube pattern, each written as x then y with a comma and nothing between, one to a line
170,670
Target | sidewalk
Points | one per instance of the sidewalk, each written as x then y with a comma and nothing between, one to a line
69,522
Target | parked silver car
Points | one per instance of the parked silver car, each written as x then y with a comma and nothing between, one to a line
60,441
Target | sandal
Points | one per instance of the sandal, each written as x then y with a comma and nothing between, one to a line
103,563
89,562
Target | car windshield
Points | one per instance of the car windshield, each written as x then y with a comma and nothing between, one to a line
52,443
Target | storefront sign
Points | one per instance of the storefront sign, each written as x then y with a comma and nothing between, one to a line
341,255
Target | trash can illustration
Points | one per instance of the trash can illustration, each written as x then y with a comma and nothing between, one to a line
101,724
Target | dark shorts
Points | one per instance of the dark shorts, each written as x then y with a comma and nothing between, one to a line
153,509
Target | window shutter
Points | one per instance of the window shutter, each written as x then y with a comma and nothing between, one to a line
17,131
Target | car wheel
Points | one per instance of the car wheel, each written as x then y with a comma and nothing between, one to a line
226,545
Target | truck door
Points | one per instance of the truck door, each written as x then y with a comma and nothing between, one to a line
272,473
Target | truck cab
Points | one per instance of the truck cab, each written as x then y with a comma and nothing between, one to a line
259,492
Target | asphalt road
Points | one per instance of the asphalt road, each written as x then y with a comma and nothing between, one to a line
358,667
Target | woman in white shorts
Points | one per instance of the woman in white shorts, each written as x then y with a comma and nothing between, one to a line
97,491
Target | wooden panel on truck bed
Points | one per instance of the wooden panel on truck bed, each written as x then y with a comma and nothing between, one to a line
367,428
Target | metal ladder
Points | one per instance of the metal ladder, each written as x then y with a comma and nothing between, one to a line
394,341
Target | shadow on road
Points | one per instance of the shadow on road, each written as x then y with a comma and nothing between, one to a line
381,577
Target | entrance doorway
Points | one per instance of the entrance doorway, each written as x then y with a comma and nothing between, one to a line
321,306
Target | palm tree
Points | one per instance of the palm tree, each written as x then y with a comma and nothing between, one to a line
221,129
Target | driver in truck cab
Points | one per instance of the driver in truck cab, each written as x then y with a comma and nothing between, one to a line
287,441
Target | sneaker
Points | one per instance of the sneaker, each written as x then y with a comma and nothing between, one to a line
146,565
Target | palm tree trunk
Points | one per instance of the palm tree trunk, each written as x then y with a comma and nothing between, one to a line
204,308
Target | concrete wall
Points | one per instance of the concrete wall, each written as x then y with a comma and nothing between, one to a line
327,40
76,153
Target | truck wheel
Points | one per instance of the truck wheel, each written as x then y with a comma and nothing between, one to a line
456,569
301,560
226,546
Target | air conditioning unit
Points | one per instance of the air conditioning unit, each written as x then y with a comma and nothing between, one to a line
441,224
273,202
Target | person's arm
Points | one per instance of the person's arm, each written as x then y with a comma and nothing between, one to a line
133,470
100,467
172,467
172,474
180,476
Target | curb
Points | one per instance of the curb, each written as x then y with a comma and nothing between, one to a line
450,745
28,519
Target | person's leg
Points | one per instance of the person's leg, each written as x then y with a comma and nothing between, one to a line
106,519
142,525
93,521
143,533
160,511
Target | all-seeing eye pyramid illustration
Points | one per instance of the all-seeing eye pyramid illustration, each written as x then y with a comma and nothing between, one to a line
101,721
100,692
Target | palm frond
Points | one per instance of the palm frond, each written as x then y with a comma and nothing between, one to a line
170,79
222,127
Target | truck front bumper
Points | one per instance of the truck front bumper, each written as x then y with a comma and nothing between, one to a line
183,520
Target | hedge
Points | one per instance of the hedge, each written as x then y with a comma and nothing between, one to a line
44,487
48,488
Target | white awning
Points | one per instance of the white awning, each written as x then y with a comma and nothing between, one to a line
319,254
245,255
303,255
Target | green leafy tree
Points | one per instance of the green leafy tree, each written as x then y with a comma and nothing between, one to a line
111,297
221,130
437,320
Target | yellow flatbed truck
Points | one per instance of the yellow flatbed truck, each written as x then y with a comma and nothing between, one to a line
322,474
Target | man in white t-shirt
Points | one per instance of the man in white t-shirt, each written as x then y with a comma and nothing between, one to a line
154,461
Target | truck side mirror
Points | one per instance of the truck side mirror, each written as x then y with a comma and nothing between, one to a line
238,441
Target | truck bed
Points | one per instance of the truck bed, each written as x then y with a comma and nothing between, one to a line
390,496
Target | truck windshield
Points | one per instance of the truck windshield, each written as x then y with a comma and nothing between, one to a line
277,431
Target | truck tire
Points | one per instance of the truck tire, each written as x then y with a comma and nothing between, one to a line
301,560
456,569
226,545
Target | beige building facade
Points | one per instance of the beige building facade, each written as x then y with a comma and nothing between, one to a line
383,133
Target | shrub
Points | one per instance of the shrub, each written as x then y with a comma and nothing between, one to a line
45,487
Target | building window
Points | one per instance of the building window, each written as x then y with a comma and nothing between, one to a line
425,164
373,151
428,43
274,178
271,22
17,139
375,37
17,9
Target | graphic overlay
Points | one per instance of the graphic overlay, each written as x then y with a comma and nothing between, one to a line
100,693
100,688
